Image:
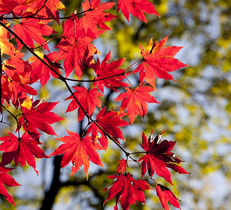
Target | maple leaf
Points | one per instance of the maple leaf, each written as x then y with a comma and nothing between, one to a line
87,98
17,79
31,29
93,15
158,61
135,101
15,64
76,49
136,8
158,157
139,186
166,195
110,72
74,29
22,150
41,71
50,8
5,46
109,121
38,116
7,6
6,179
123,164
127,190
15,7
78,150
13,88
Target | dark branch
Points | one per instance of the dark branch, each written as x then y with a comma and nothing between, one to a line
50,195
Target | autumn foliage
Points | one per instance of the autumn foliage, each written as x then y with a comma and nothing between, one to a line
27,25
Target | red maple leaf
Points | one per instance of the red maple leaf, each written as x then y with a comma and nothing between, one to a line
41,71
70,29
31,29
78,150
8,6
108,74
123,164
38,116
158,61
76,48
5,45
22,150
50,8
136,8
15,64
127,190
93,15
109,121
135,101
16,87
6,180
87,98
14,7
166,195
158,157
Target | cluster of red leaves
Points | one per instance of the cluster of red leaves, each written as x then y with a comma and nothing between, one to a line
30,27
79,151
127,190
157,61
157,157
6,179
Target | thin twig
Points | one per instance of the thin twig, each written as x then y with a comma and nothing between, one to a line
10,113
129,81
94,80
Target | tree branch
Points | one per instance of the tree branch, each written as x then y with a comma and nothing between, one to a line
50,195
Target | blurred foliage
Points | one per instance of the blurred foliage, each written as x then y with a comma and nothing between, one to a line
195,112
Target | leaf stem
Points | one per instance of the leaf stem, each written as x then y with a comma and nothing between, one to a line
137,153
129,81
57,37
126,164
10,113
131,66
94,80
